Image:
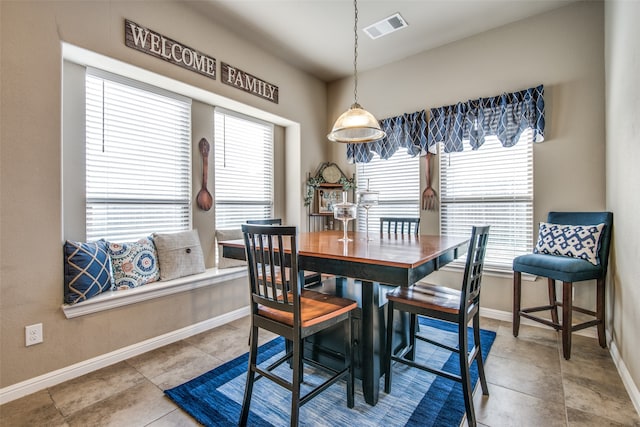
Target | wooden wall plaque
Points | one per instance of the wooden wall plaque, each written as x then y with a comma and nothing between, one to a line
155,44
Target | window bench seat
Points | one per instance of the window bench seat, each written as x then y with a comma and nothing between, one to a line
113,299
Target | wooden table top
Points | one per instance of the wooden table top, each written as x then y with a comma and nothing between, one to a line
405,251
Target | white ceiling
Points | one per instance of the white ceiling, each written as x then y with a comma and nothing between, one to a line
317,35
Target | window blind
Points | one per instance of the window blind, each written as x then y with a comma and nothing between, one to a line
492,185
243,169
138,159
398,181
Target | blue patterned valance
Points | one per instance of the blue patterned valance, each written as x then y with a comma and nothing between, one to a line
407,131
505,116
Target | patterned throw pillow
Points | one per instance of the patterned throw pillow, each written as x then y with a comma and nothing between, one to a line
87,270
134,263
576,241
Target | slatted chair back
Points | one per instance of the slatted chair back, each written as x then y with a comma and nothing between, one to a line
400,225
311,278
267,221
267,266
470,297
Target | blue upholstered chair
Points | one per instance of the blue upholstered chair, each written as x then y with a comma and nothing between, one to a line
569,269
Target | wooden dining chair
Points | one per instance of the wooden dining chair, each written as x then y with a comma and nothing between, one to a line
311,278
294,314
559,256
399,225
443,303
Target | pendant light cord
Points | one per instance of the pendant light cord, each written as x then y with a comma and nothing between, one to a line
355,52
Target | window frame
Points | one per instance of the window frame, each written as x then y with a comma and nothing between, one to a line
504,244
391,173
233,221
175,207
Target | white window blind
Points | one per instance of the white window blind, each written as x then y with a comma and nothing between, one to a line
398,181
492,185
243,169
138,159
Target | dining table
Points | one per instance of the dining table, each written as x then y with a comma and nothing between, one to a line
362,269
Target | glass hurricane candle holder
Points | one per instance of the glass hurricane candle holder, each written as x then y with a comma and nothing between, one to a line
367,199
345,212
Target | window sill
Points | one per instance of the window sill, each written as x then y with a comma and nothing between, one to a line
113,299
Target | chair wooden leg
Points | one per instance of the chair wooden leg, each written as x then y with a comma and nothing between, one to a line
567,320
389,348
479,359
297,379
517,293
253,356
600,309
467,391
553,300
413,330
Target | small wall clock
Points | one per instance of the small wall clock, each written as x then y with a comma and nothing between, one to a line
331,174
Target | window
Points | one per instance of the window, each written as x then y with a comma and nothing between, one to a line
243,169
398,181
492,185
138,159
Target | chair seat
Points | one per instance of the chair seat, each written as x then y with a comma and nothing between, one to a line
430,297
315,308
557,267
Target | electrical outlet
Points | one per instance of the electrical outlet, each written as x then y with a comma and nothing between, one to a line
33,334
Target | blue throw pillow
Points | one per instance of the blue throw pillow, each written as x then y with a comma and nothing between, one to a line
134,263
87,270
576,241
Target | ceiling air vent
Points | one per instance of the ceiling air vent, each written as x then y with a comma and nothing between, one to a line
386,26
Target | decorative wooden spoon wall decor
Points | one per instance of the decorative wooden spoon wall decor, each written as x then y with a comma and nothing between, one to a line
429,195
204,199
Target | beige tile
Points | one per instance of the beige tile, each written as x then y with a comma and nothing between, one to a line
524,377
489,324
584,419
136,406
527,351
176,418
174,364
586,350
538,334
79,393
36,409
608,399
227,343
243,323
507,408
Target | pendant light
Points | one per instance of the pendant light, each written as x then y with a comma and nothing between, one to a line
356,125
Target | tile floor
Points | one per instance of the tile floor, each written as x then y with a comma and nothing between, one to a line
530,384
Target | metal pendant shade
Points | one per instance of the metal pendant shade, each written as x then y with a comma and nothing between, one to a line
356,125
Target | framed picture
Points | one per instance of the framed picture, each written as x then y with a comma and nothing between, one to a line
327,198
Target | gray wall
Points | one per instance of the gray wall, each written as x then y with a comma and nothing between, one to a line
622,54
31,211
577,167
569,167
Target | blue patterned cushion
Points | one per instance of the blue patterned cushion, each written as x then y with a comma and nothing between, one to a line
576,241
87,270
134,263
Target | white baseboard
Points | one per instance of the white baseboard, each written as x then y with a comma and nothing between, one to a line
15,391
632,389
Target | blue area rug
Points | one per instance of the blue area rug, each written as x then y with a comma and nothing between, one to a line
417,398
